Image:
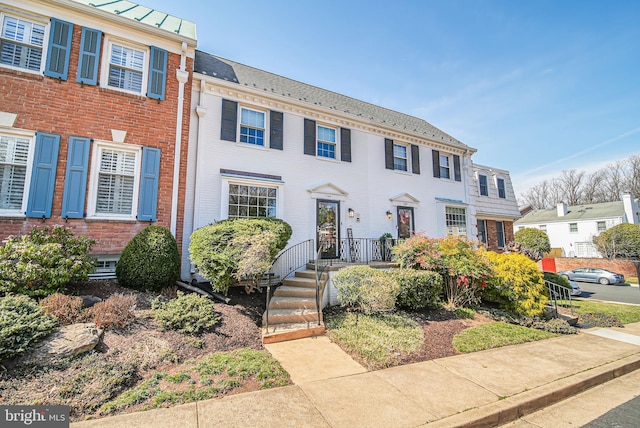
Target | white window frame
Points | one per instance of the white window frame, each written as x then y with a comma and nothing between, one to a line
336,146
486,184
227,181
451,230
265,131
106,63
407,158
543,227
448,167
98,147
504,188
571,228
27,182
603,223
45,42
500,230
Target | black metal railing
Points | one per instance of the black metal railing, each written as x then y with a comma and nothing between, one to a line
365,250
559,296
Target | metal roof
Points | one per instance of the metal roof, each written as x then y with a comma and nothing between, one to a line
144,15
575,213
270,83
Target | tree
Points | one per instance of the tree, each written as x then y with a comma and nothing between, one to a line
534,243
621,241
571,186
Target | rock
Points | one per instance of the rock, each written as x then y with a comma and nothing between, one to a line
88,301
67,341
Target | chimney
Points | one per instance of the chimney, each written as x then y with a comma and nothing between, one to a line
630,213
562,209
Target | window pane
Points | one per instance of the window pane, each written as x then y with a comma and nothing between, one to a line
116,180
252,118
126,68
21,43
14,153
456,221
484,188
326,134
251,201
501,189
500,233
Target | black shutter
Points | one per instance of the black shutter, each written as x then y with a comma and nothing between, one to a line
345,145
415,159
309,137
436,163
456,168
229,120
388,153
277,130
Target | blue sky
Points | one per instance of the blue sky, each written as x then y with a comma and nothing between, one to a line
535,86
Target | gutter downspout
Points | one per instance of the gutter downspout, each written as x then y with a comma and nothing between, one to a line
183,76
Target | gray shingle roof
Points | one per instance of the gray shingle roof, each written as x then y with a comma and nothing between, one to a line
577,212
144,15
254,78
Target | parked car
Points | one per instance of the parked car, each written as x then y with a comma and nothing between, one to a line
603,276
575,288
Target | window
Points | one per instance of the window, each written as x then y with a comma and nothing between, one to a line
500,233
484,186
502,193
326,142
573,227
252,201
399,157
252,127
126,68
482,231
115,181
456,220
445,168
602,226
14,158
543,227
21,43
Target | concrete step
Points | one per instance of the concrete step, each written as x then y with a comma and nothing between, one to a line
291,316
284,332
285,302
297,281
310,274
288,291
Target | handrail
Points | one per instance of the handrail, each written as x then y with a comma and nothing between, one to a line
559,293
321,248
287,262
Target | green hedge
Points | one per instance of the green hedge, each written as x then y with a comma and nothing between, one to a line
418,289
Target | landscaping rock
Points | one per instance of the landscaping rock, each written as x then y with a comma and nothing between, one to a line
88,301
69,340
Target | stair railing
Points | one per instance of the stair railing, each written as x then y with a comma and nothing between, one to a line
286,263
559,296
319,272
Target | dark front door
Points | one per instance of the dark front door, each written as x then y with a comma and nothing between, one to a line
328,215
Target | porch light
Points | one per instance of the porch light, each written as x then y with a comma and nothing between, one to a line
389,215
351,212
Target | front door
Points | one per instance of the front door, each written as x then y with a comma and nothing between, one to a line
405,222
328,215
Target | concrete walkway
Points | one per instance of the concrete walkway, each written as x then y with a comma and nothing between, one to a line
485,388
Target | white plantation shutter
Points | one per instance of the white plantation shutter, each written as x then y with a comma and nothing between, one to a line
14,153
116,181
126,69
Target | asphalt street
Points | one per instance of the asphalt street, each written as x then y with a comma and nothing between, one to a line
613,293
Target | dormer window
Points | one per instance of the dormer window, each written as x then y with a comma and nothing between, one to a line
484,185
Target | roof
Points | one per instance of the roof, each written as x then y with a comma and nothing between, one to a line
575,213
144,15
221,68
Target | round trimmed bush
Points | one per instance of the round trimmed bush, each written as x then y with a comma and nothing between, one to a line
22,324
150,261
366,289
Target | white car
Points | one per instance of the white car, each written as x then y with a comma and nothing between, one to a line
575,288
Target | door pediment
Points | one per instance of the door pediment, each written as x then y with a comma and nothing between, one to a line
404,199
328,190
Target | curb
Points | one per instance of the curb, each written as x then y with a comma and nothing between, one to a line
516,406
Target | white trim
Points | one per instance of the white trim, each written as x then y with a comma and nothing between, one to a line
336,143
109,41
266,143
45,41
31,136
227,180
98,146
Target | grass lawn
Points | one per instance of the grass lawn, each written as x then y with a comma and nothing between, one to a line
626,313
375,338
495,335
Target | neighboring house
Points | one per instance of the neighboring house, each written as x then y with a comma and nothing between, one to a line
495,205
573,228
330,165
94,119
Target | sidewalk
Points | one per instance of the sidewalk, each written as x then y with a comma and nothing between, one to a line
485,388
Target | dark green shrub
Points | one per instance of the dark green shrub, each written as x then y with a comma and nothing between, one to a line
67,309
22,324
534,243
217,260
517,284
150,261
418,289
366,289
553,325
557,326
598,319
189,313
464,313
43,261
557,279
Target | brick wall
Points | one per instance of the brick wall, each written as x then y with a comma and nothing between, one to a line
492,234
69,109
622,266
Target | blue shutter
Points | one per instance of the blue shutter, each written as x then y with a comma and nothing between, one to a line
157,73
59,49
75,179
89,56
43,175
148,202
